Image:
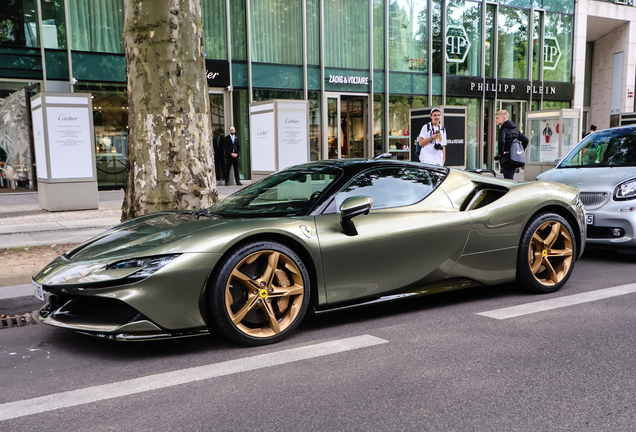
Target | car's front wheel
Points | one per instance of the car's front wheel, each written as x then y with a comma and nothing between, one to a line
259,293
547,252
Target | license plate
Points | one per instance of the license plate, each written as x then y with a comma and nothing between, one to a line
590,219
37,290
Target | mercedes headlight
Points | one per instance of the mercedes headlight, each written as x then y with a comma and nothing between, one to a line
147,266
625,190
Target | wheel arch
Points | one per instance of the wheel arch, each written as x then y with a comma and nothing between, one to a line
290,242
565,214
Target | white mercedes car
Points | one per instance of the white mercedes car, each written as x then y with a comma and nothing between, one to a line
603,167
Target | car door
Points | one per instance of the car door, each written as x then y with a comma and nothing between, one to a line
412,236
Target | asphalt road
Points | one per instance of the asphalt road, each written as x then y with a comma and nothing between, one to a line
431,364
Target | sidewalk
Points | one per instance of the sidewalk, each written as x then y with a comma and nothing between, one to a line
24,223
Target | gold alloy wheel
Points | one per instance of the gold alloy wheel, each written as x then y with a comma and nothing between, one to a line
263,303
550,253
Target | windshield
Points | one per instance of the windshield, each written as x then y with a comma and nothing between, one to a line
608,148
291,192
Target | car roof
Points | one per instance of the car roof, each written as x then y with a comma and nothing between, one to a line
353,166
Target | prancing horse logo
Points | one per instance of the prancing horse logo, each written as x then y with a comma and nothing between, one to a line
306,230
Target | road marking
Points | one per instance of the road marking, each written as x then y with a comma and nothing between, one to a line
545,305
168,379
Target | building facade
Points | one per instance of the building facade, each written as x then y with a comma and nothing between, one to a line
361,64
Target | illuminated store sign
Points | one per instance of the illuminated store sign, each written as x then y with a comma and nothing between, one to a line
457,44
339,79
509,88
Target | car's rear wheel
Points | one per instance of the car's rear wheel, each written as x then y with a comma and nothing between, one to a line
547,253
259,294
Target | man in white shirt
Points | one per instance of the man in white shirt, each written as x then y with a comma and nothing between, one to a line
432,139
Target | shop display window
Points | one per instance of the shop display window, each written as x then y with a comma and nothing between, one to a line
463,37
408,35
513,43
276,31
110,122
400,137
346,30
97,26
214,29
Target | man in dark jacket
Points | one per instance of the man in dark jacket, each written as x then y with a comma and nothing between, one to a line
232,149
507,132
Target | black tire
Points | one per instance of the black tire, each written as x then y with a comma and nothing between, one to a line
258,294
547,253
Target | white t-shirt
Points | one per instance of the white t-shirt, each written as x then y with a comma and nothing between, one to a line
429,154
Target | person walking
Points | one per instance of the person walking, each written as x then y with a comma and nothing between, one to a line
432,140
232,149
507,132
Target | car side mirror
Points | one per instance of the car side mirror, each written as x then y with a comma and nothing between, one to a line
557,161
350,208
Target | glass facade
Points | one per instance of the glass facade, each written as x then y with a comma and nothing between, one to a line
381,57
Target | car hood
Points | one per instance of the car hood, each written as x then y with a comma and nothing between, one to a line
590,179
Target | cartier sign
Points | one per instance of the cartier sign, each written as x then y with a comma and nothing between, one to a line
217,73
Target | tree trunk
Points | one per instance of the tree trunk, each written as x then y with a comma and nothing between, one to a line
170,153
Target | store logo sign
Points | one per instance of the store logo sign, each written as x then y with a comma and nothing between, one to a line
551,53
457,44
339,79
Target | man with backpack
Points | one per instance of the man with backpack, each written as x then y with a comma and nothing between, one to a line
510,140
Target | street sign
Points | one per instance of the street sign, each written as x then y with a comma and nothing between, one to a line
457,44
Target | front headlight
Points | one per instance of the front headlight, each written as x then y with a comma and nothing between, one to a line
625,190
147,266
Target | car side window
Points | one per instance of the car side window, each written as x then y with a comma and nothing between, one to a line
390,186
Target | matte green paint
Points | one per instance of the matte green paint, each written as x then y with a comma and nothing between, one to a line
427,247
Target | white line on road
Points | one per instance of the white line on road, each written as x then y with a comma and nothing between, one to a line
167,379
545,305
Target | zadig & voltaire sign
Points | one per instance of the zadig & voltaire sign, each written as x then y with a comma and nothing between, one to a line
339,79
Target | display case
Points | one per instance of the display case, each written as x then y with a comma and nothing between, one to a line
552,134
399,147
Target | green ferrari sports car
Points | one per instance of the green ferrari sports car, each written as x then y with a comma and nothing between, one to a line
315,237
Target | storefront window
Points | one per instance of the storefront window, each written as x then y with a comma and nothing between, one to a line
557,51
536,45
97,26
472,128
408,35
110,122
19,24
437,36
237,29
241,124
513,43
378,124
214,29
490,40
399,115
276,33
378,34
314,126
564,6
267,94
463,38
347,34
313,32
16,162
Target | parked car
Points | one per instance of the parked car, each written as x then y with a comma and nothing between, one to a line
603,167
320,236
